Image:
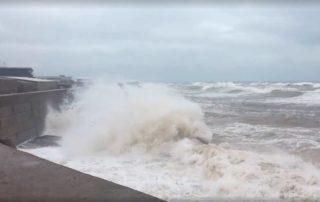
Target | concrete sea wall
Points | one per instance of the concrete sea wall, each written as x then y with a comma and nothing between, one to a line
22,115
27,178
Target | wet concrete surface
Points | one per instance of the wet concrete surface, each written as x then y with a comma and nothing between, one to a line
24,177
41,141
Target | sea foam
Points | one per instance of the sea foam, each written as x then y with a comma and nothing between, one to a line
147,137
119,118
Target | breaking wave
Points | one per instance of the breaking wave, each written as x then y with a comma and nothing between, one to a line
257,87
117,118
168,135
265,90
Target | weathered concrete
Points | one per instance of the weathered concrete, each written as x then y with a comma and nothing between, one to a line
24,177
8,86
63,81
22,115
41,141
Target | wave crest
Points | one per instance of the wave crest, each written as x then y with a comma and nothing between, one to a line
120,118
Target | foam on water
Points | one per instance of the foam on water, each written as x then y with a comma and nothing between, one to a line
189,169
307,92
308,98
119,118
149,138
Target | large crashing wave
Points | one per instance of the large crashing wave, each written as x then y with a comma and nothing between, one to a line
151,121
119,118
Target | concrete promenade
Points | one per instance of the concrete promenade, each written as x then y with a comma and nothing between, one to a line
24,177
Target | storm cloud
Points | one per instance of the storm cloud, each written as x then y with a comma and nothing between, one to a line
164,43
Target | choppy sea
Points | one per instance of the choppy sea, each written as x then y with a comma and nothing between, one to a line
193,141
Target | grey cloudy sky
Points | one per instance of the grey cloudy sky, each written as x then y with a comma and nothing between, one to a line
159,43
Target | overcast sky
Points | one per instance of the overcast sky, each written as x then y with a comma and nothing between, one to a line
158,43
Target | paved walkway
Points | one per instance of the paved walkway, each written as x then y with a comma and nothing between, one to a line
24,177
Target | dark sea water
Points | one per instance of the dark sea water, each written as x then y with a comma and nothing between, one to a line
222,141
262,116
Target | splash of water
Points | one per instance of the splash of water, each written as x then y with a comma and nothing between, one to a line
151,123
119,118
